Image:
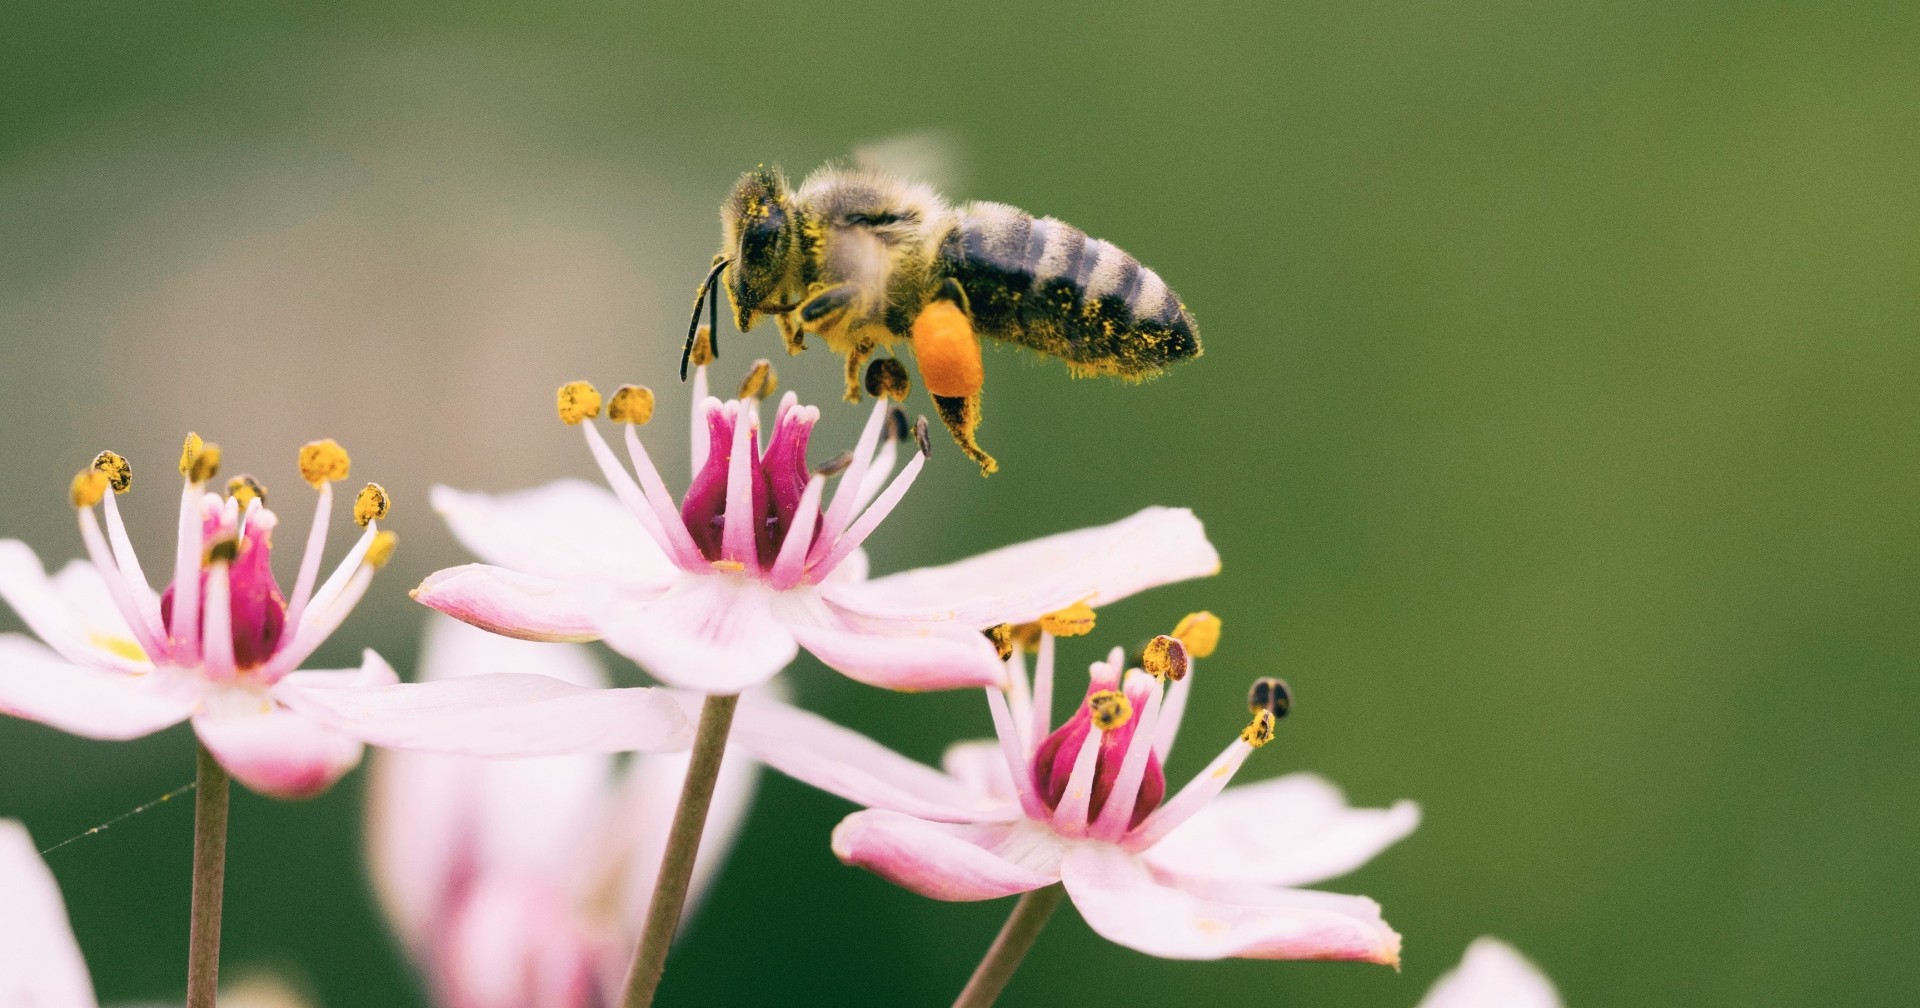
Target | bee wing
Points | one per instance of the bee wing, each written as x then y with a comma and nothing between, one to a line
929,156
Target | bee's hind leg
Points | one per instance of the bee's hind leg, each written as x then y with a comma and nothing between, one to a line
961,414
791,333
856,367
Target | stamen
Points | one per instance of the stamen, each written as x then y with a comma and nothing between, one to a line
789,565
1003,729
1070,815
371,505
881,468
887,379
88,486
381,549
1042,718
246,490
920,437
1200,632
199,459
1110,709
737,522
577,401
223,550
1259,732
216,656
846,496
119,472
189,451
631,404
1165,658
1118,813
119,587
323,462
1075,620
186,566
871,518
702,353
760,381
1194,796
835,465
1001,634
1270,695
666,526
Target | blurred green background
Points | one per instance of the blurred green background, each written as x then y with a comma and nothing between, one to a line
1556,424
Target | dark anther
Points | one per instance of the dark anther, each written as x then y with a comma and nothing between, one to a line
886,376
1270,695
835,465
920,436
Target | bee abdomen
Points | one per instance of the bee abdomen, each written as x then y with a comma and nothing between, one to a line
1045,284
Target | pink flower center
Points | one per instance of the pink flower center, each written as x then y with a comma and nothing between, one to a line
259,610
778,480
1053,762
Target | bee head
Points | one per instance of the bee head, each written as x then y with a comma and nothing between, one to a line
763,226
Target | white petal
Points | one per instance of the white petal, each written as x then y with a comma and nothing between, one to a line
514,604
39,685
72,613
1119,898
273,750
1292,830
1021,583
40,964
567,529
712,633
1493,975
840,761
981,766
897,654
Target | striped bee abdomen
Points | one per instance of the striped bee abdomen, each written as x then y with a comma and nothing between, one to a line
1044,284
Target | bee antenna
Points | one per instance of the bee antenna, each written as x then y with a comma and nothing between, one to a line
708,293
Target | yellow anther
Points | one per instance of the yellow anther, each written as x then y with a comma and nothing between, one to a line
886,376
380,550
1110,709
323,462
578,401
760,381
246,490
223,550
1075,620
702,353
1200,632
190,451
631,404
89,486
1260,731
199,460
1001,634
372,504
1165,658
1270,695
119,473
729,566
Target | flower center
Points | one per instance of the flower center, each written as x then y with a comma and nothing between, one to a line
1109,711
257,607
776,480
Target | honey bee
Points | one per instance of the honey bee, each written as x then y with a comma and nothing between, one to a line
865,260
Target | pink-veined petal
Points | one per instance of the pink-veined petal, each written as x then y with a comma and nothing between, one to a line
943,861
566,529
511,714
273,750
1289,831
840,761
891,654
1119,898
1492,975
711,633
40,964
1021,583
513,604
39,685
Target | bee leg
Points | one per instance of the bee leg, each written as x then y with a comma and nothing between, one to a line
961,414
856,367
824,310
790,331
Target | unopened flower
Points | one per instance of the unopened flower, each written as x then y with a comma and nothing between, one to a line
1199,874
718,591
221,644
523,883
1493,975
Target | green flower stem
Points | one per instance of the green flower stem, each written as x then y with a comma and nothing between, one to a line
209,879
1010,947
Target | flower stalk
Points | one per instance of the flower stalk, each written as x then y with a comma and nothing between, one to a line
209,880
683,843
1010,947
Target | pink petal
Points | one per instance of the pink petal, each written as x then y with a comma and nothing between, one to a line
514,604
891,654
943,861
513,943
981,767
1122,901
1493,974
273,750
1021,583
568,528
40,963
1292,830
498,714
713,633
39,685
72,613
812,749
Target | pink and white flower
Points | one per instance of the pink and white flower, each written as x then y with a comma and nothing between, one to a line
222,645
1493,975
1198,875
523,883
718,592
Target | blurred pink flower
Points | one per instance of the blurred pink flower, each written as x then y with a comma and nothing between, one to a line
220,645
1492,975
1200,875
719,592
523,883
